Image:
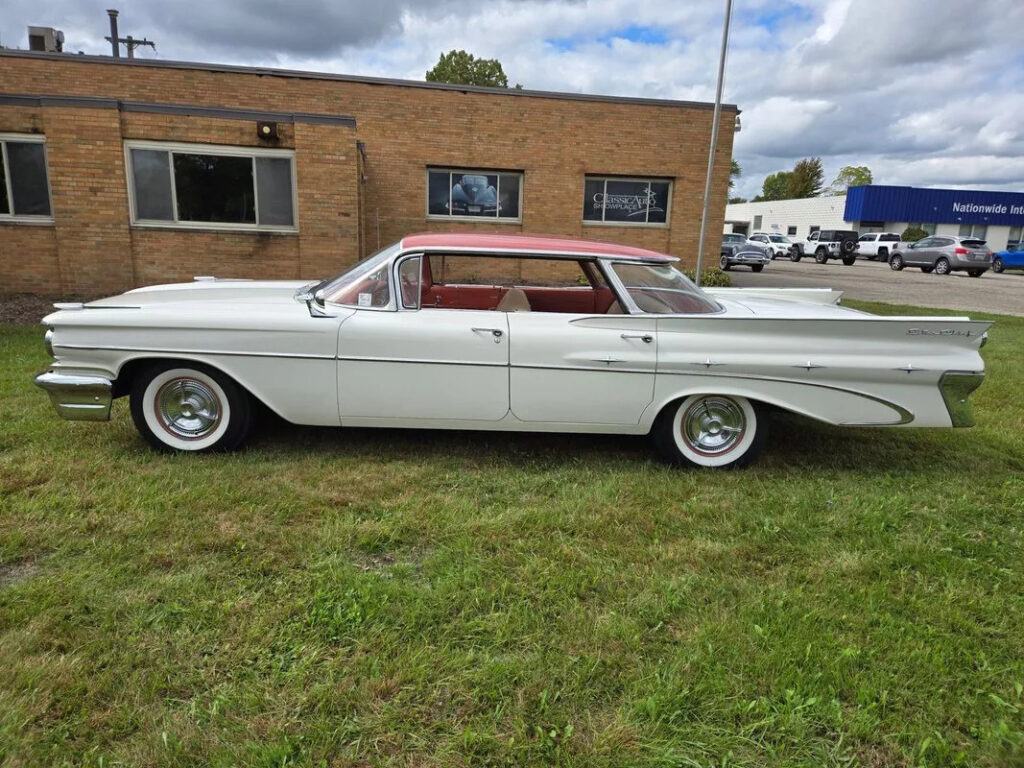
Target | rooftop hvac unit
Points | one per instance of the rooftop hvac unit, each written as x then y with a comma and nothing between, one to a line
45,39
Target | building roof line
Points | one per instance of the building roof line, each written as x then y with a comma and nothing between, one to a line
306,75
196,110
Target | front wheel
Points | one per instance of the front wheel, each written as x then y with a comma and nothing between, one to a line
896,262
719,431
178,406
821,255
942,266
997,264
795,255
724,264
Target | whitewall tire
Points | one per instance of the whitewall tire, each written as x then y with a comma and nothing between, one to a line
718,431
182,407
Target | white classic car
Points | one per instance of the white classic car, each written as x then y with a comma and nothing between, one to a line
468,331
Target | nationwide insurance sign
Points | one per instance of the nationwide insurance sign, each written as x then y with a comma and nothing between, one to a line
935,206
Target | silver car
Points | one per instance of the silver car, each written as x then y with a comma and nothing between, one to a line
943,254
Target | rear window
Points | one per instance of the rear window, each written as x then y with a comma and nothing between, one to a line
890,238
973,243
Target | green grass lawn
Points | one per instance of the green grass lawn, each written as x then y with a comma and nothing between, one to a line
365,598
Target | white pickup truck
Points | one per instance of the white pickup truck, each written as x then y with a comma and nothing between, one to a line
878,245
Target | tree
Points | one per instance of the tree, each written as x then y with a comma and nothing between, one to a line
775,187
806,178
734,173
913,234
466,69
733,200
850,176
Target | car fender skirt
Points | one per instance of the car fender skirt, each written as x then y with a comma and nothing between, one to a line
955,387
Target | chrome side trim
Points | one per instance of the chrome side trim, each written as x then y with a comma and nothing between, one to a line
417,361
78,398
906,416
955,387
179,352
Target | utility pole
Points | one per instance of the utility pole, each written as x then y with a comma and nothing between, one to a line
129,42
714,140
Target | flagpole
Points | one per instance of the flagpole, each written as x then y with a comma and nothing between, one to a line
714,140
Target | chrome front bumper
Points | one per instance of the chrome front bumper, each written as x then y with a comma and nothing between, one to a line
78,398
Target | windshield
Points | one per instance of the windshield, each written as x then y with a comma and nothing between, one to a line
779,238
733,238
365,284
663,290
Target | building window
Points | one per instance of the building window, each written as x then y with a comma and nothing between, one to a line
928,227
790,230
757,222
980,231
621,201
24,186
814,228
202,186
1015,234
457,194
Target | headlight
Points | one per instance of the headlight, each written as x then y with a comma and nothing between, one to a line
48,342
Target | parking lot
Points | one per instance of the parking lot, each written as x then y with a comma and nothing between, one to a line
874,281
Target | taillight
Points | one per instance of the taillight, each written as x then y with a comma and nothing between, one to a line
961,252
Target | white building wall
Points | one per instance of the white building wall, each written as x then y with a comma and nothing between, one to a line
824,213
779,215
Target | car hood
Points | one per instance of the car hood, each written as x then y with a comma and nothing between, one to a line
221,291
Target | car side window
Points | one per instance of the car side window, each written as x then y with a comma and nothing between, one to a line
409,272
813,236
867,238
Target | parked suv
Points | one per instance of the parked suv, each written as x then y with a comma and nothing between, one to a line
828,244
943,254
779,245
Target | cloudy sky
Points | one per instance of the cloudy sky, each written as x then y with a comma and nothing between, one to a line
924,92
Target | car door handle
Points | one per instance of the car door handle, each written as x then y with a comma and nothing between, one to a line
646,338
497,333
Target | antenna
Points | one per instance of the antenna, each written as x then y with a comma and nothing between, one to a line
130,43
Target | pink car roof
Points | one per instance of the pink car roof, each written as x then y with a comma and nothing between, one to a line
529,244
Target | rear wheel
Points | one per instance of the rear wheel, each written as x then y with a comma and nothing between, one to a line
821,255
976,272
757,267
942,266
849,260
178,406
718,431
896,262
883,254
997,264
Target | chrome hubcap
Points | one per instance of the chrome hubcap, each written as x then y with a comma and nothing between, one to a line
188,408
713,425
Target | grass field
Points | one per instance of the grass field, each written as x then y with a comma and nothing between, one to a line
365,598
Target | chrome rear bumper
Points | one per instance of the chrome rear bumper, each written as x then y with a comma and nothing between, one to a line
78,398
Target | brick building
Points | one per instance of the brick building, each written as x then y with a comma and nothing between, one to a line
119,173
